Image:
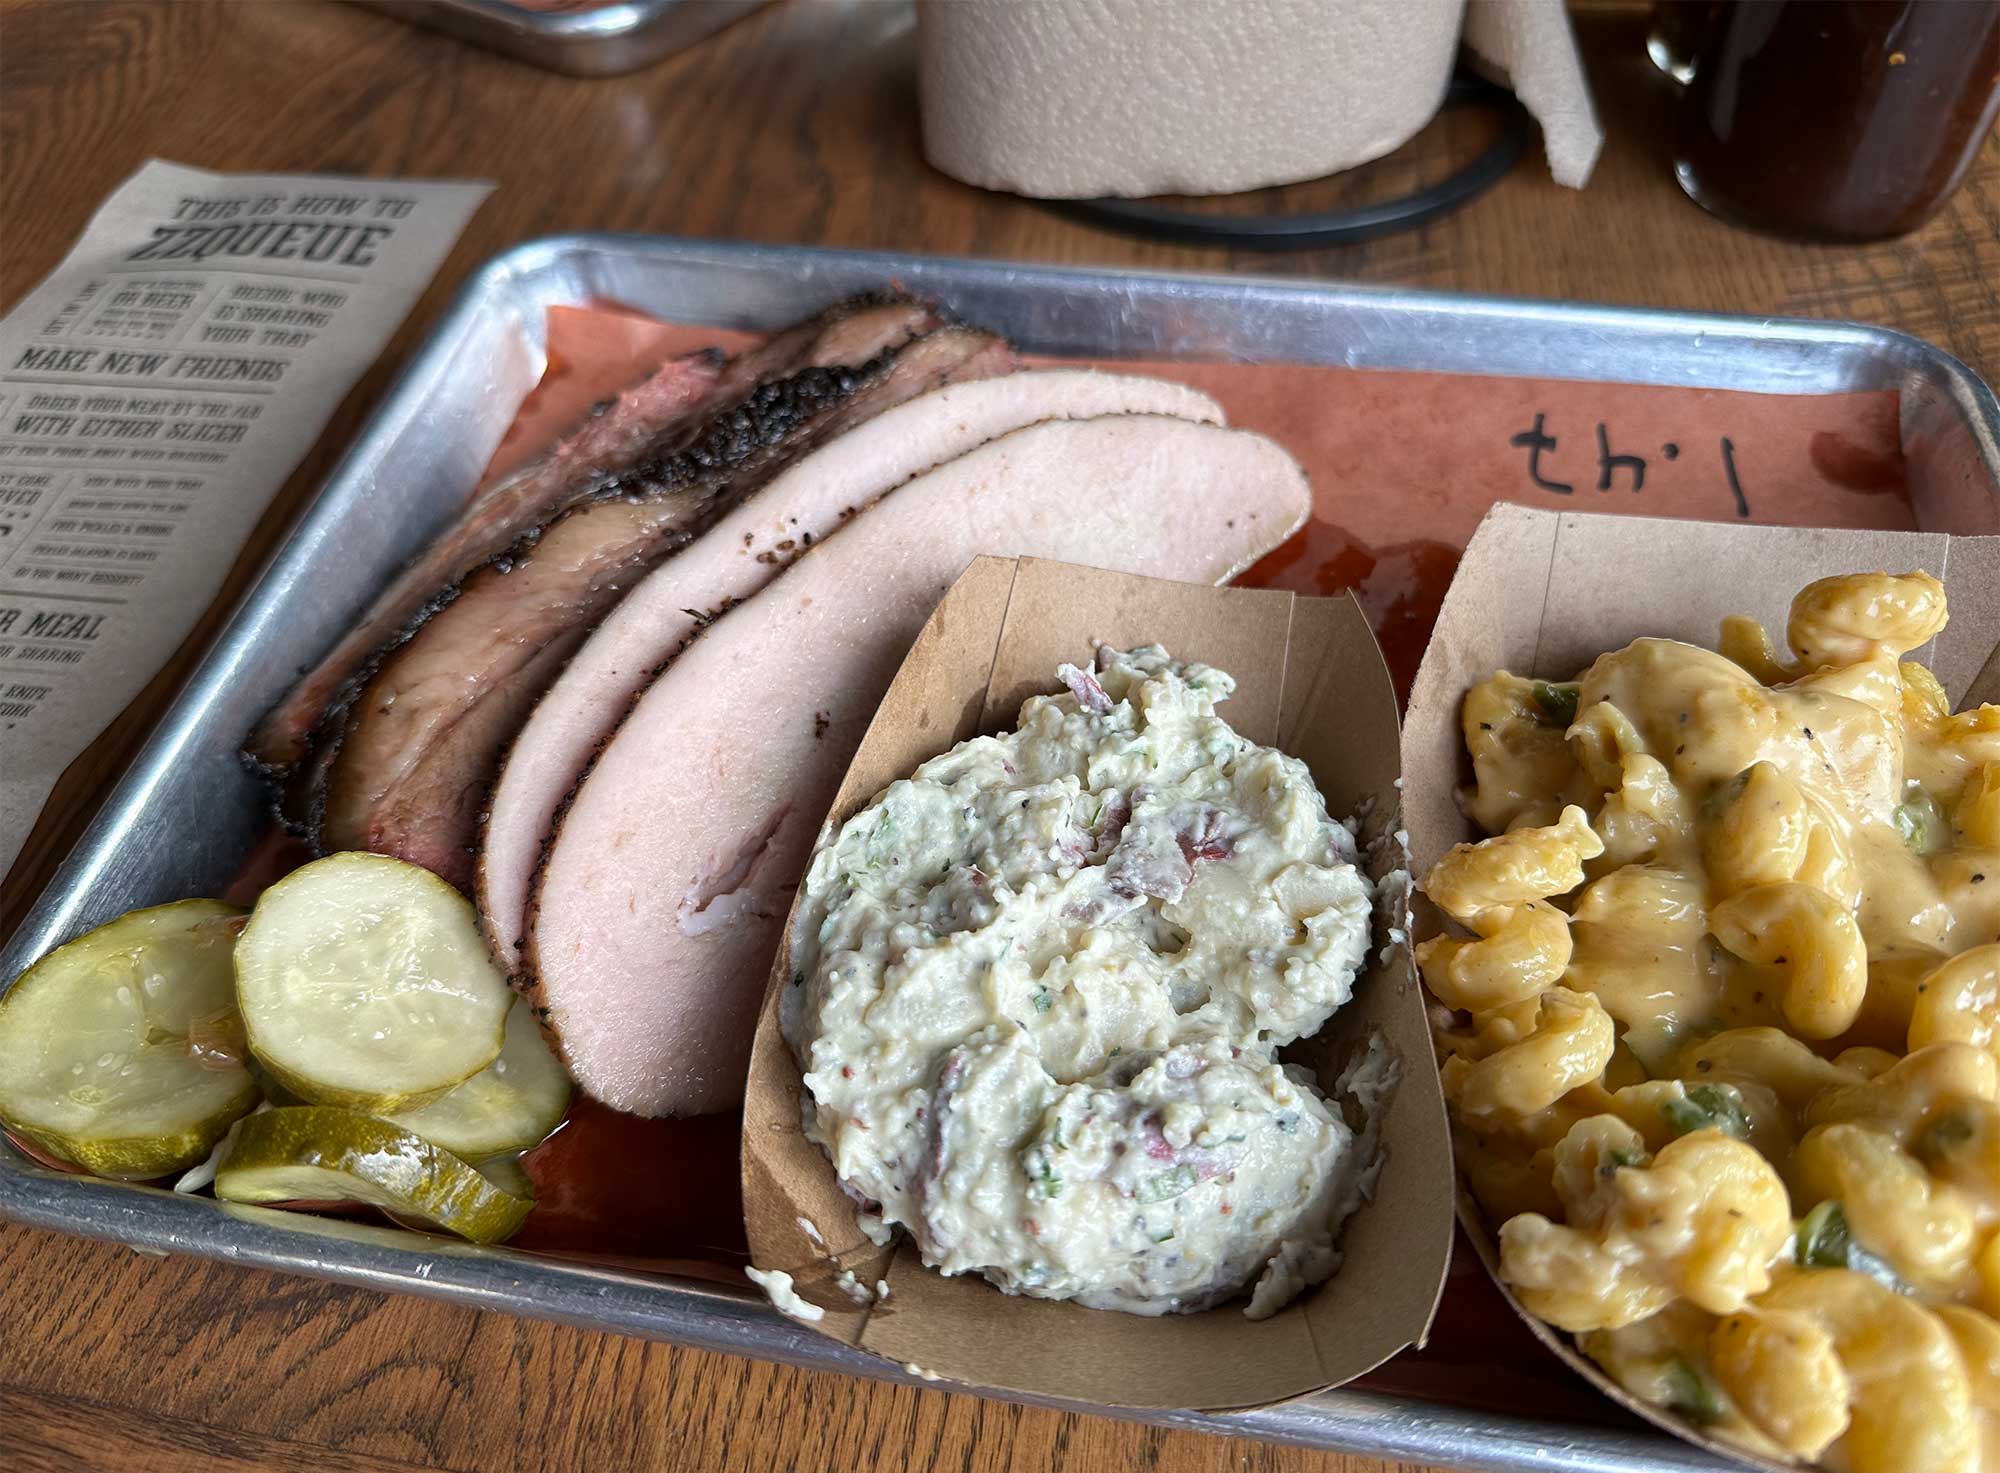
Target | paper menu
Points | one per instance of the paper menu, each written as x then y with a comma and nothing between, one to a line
155,392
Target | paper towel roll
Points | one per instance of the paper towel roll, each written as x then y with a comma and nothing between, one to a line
1068,99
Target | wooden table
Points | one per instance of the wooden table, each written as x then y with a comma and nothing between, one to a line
796,125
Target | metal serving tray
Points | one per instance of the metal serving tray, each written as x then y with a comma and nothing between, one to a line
185,813
603,40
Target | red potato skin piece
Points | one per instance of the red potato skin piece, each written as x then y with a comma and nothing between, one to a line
652,1015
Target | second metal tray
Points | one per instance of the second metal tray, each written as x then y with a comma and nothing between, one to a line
183,816
598,40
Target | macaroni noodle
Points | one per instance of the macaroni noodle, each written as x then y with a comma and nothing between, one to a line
1723,1042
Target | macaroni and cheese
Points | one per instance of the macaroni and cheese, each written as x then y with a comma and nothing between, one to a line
1722,1031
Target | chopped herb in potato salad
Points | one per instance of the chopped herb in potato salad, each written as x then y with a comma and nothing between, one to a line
1039,985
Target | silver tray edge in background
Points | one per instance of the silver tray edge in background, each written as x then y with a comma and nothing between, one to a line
604,41
185,812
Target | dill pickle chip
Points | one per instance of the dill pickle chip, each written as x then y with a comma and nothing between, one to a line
509,1105
120,1052
508,1174
320,1153
363,982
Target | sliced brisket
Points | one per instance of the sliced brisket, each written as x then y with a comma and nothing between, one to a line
422,741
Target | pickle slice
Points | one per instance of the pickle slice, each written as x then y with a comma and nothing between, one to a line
510,1105
363,982
508,1174
319,1153
121,1053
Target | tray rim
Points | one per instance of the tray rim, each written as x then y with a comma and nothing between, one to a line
737,1321
541,253
724,1318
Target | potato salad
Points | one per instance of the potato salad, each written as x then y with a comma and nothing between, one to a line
1039,986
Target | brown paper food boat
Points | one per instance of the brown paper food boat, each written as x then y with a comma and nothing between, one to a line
1310,681
1544,593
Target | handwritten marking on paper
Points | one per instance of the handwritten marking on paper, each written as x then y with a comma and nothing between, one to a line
1625,470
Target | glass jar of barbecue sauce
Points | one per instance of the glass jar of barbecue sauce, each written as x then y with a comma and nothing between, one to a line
1837,119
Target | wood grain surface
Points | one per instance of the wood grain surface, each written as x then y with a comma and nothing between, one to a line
798,124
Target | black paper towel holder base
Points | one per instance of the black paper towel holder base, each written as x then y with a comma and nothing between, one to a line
1315,230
